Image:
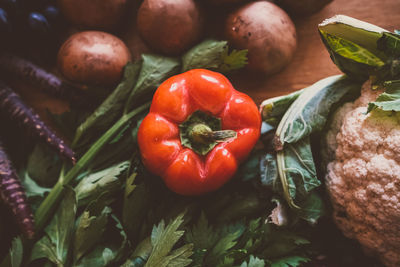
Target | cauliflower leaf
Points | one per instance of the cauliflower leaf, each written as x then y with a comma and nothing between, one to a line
389,100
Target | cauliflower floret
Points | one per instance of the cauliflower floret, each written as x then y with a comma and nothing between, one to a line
363,179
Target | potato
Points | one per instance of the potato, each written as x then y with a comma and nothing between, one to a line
93,14
266,31
93,58
170,26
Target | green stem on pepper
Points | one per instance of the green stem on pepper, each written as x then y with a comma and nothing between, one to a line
48,206
203,134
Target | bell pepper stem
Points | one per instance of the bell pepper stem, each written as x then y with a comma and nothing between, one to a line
203,134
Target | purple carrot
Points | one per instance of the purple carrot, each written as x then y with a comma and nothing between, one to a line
24,70
13,106
13,195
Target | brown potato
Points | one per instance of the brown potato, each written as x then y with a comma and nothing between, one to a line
93,14
93,58
266,31
170,26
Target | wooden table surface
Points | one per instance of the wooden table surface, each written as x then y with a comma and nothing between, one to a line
310,63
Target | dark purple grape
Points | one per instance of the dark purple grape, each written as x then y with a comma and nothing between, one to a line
38,23
5,25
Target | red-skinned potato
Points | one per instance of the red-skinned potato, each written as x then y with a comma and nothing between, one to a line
93,58
266,31
93,14
170,26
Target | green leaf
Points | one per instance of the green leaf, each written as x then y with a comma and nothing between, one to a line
44,165
226,262
16,252
104,181
202,235
110,110
289,261
56,242
45,248
235,60
298,177
163,239
272,109
229,235
32,189
140,255
155,69
110,250
360,32
206,55
253,262
310,110
281,243
389,100
312,208
246,205
99,257
299,168
213,54
249,169
90,228
135,207
180,257
350,50
269,172
389,43
352,45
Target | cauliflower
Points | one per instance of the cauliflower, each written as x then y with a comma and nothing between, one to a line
363,177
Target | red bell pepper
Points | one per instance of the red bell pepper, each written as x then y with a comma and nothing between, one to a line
198,131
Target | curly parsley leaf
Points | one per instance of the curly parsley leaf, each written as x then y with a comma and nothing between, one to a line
202,235
234,60
163,240
104,181
253,262
212,245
